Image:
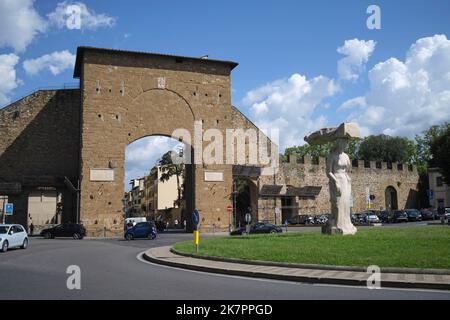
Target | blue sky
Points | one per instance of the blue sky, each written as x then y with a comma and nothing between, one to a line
287,52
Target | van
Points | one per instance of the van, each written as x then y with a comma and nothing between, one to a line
135,220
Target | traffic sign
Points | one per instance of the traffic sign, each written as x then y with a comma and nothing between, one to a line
9,209
229,208
195,217
248,218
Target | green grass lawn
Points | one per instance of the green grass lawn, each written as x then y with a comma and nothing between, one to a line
415,247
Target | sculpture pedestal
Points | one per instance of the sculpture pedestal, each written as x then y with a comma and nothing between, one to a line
331,230
327,229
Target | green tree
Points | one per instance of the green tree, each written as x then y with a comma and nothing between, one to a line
316,151
170,169
423,155
387,148
440,153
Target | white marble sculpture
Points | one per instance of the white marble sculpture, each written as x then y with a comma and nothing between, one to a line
338,163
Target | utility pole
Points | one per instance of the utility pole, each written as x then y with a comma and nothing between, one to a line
3,209
234,203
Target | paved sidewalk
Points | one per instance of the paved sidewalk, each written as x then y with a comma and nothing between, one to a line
164,256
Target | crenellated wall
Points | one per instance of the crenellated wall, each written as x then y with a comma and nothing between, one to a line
376,176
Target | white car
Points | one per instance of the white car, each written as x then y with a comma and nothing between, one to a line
12,236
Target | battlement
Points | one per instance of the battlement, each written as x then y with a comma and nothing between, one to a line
356,164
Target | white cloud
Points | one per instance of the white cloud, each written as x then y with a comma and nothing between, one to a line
407,97
19,24
288,105
8,76
357,53
351,103
143,154
55,62
65,17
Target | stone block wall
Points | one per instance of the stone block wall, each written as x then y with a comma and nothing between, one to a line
379,176
39,146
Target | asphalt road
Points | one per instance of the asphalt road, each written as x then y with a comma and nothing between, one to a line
110,269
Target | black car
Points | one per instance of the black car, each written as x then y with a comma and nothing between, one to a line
427,215
385,216
73,230
258,228
399,216
413,215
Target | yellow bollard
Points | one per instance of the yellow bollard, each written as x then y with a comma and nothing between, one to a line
196,240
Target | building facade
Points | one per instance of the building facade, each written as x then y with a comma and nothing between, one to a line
162,195
440,191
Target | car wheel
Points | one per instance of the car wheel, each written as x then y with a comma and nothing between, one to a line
47,235
76,236
5,246
129,236
24,244
273,231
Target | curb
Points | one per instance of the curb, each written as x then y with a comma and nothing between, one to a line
313,266
302,279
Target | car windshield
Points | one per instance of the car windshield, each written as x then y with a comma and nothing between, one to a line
3,229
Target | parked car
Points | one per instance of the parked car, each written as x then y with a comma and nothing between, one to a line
142,230
447,213
399,216
258,228
371,217
12,236
358,218
300,219
413,215
385,216
73,230
427,215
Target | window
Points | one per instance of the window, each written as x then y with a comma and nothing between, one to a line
439,182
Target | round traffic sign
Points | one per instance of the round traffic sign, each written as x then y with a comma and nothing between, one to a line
229,207
195,217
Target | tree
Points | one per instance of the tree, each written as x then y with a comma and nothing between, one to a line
423,157
387,148
316,151
170,169
440,153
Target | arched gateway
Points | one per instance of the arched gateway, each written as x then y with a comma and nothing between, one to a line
130,95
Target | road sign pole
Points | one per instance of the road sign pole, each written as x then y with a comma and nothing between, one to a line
196,221
4,213
230,212
196,240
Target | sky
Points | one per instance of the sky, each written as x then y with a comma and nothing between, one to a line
303,65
